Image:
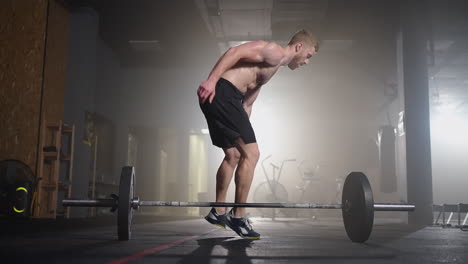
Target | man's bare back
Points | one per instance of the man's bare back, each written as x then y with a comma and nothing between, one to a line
251,76
251,65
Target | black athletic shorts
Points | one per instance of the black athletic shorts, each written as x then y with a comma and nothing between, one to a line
226,117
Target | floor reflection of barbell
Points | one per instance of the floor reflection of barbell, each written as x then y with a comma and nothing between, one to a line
357,205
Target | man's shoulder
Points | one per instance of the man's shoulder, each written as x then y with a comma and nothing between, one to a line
266,43
273,52
267,46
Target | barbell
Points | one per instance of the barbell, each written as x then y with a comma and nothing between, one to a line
357,205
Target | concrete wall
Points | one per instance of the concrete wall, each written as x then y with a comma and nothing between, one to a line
79,95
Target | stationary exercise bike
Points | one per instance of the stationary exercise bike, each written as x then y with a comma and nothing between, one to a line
271,190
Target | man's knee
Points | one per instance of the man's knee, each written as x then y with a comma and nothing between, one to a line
232,156
248,152
252,155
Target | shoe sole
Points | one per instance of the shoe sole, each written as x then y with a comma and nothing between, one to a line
240,234
218,225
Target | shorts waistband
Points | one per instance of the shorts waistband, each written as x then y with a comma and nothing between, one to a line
234,88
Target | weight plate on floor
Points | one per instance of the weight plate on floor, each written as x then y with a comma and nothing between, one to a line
357,207
125,210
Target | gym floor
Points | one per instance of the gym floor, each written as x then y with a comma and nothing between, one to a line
193,240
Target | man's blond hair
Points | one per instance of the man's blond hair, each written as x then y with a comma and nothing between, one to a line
305,37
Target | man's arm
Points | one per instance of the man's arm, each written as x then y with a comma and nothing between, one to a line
253,52
249,99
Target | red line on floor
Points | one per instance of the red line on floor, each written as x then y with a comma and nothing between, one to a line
154,250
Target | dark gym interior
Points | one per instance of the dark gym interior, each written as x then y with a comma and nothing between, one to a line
91,86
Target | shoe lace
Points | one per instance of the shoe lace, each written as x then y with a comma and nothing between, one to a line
244,220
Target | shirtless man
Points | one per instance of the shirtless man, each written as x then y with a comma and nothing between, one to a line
226,99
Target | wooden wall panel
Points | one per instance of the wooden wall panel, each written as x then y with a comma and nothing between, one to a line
22,34
22,43
56,62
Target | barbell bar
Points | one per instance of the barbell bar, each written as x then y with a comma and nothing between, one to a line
136,203
357,205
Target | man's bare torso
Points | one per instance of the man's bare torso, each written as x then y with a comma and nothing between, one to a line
250,76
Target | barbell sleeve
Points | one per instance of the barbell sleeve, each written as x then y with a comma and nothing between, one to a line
90,203
389,207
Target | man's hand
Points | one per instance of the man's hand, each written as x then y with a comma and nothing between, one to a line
206,90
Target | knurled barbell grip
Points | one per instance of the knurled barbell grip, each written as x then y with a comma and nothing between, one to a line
251,205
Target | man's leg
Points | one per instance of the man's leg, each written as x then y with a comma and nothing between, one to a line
249,155
224,175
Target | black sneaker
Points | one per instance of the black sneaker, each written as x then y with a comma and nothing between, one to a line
216,219
241,226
